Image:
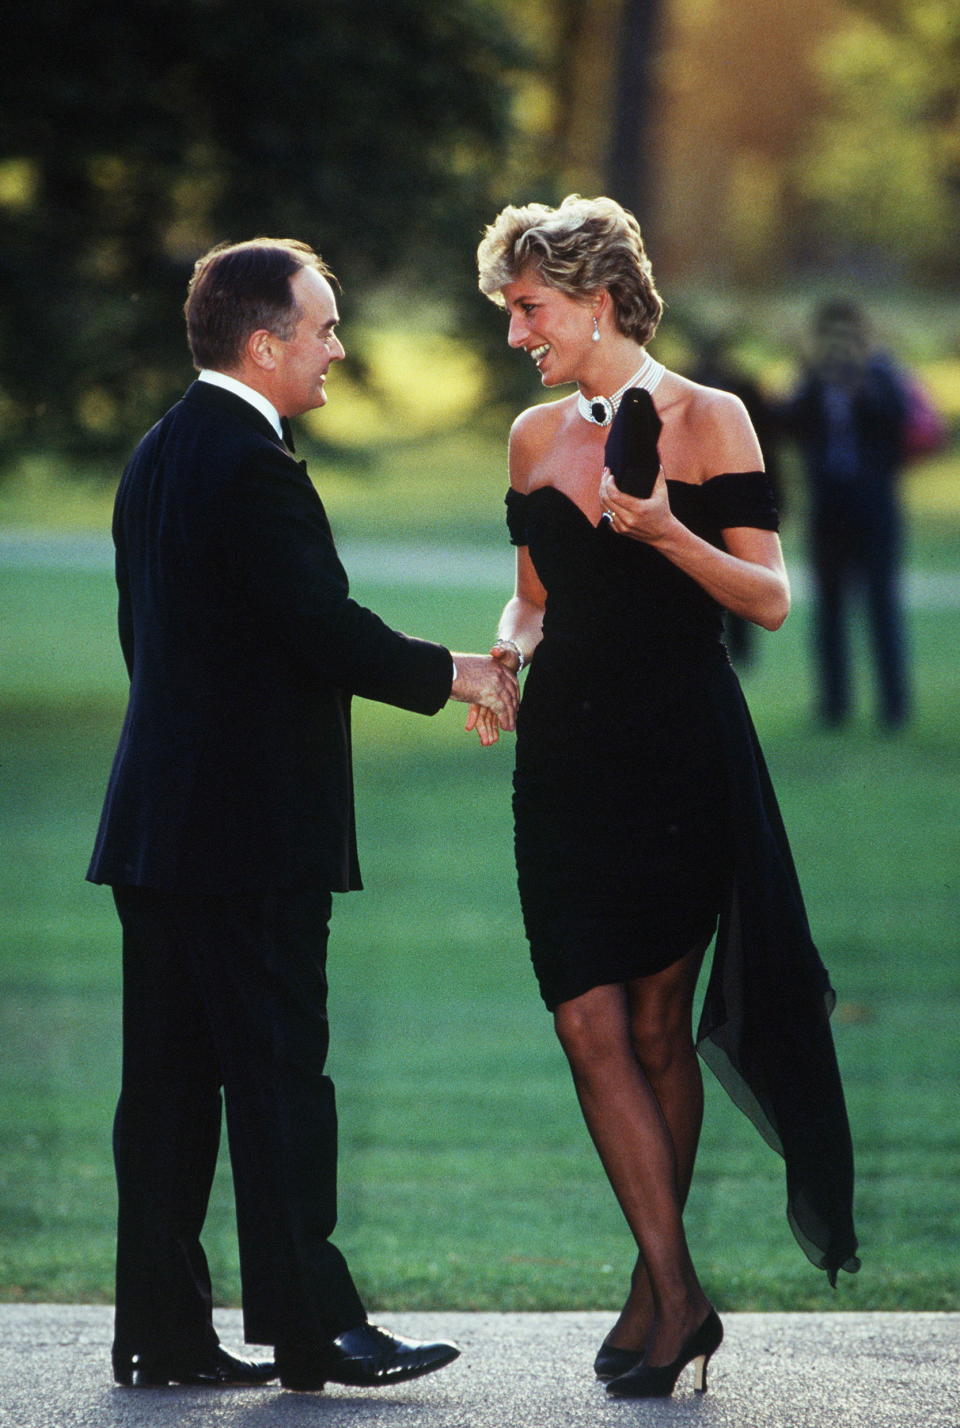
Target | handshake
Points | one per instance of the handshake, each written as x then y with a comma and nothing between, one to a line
487,684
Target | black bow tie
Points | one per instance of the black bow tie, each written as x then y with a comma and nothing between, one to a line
287,430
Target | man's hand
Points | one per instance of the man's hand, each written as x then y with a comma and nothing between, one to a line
481,679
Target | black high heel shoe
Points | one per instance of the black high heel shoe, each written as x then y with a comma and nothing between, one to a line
613,1363
649,1381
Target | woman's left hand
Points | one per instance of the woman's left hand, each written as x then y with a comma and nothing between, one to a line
648,520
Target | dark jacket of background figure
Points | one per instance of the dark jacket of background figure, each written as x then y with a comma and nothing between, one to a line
868,494
244,648
855,528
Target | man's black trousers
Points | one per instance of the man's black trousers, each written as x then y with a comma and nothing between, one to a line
226,993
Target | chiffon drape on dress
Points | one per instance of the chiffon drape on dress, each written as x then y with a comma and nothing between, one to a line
765,1022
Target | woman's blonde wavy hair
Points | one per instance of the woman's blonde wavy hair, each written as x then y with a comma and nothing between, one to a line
584,245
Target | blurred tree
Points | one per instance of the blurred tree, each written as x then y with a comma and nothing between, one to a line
135,135
883,167
630,166
606,69
584,52
739,85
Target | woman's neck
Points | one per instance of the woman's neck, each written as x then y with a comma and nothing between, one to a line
610,371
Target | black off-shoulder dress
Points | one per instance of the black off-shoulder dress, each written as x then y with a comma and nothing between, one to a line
645,820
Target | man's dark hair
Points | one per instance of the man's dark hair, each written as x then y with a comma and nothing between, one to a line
839,310
238,288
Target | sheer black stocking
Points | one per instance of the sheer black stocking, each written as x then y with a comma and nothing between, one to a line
638,1081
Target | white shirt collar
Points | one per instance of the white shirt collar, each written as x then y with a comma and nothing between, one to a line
249,394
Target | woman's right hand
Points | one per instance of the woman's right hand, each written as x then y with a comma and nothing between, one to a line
488,682
485,722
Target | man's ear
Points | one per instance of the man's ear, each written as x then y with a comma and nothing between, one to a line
261,349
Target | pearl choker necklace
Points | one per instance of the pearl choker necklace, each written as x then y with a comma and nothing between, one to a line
600,411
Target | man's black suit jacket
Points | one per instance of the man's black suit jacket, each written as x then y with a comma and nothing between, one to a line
243,648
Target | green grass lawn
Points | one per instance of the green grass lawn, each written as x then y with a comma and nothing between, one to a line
468,1180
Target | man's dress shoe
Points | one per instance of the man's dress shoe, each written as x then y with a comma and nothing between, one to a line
364,1357
212,1369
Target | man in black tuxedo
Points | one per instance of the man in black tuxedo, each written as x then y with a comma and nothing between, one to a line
228,823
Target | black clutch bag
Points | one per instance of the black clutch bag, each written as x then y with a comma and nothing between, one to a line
631,448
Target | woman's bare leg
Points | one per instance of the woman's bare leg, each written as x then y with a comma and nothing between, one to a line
626,1048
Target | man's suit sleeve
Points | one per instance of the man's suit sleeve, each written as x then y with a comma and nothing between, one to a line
298,589
124,608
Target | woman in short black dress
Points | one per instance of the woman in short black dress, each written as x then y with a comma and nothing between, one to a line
644,816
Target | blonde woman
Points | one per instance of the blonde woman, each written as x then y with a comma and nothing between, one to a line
644,816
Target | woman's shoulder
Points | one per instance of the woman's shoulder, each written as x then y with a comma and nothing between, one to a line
705,405
715,424
532,434
541,421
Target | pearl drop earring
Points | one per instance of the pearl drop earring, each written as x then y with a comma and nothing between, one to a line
596,329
